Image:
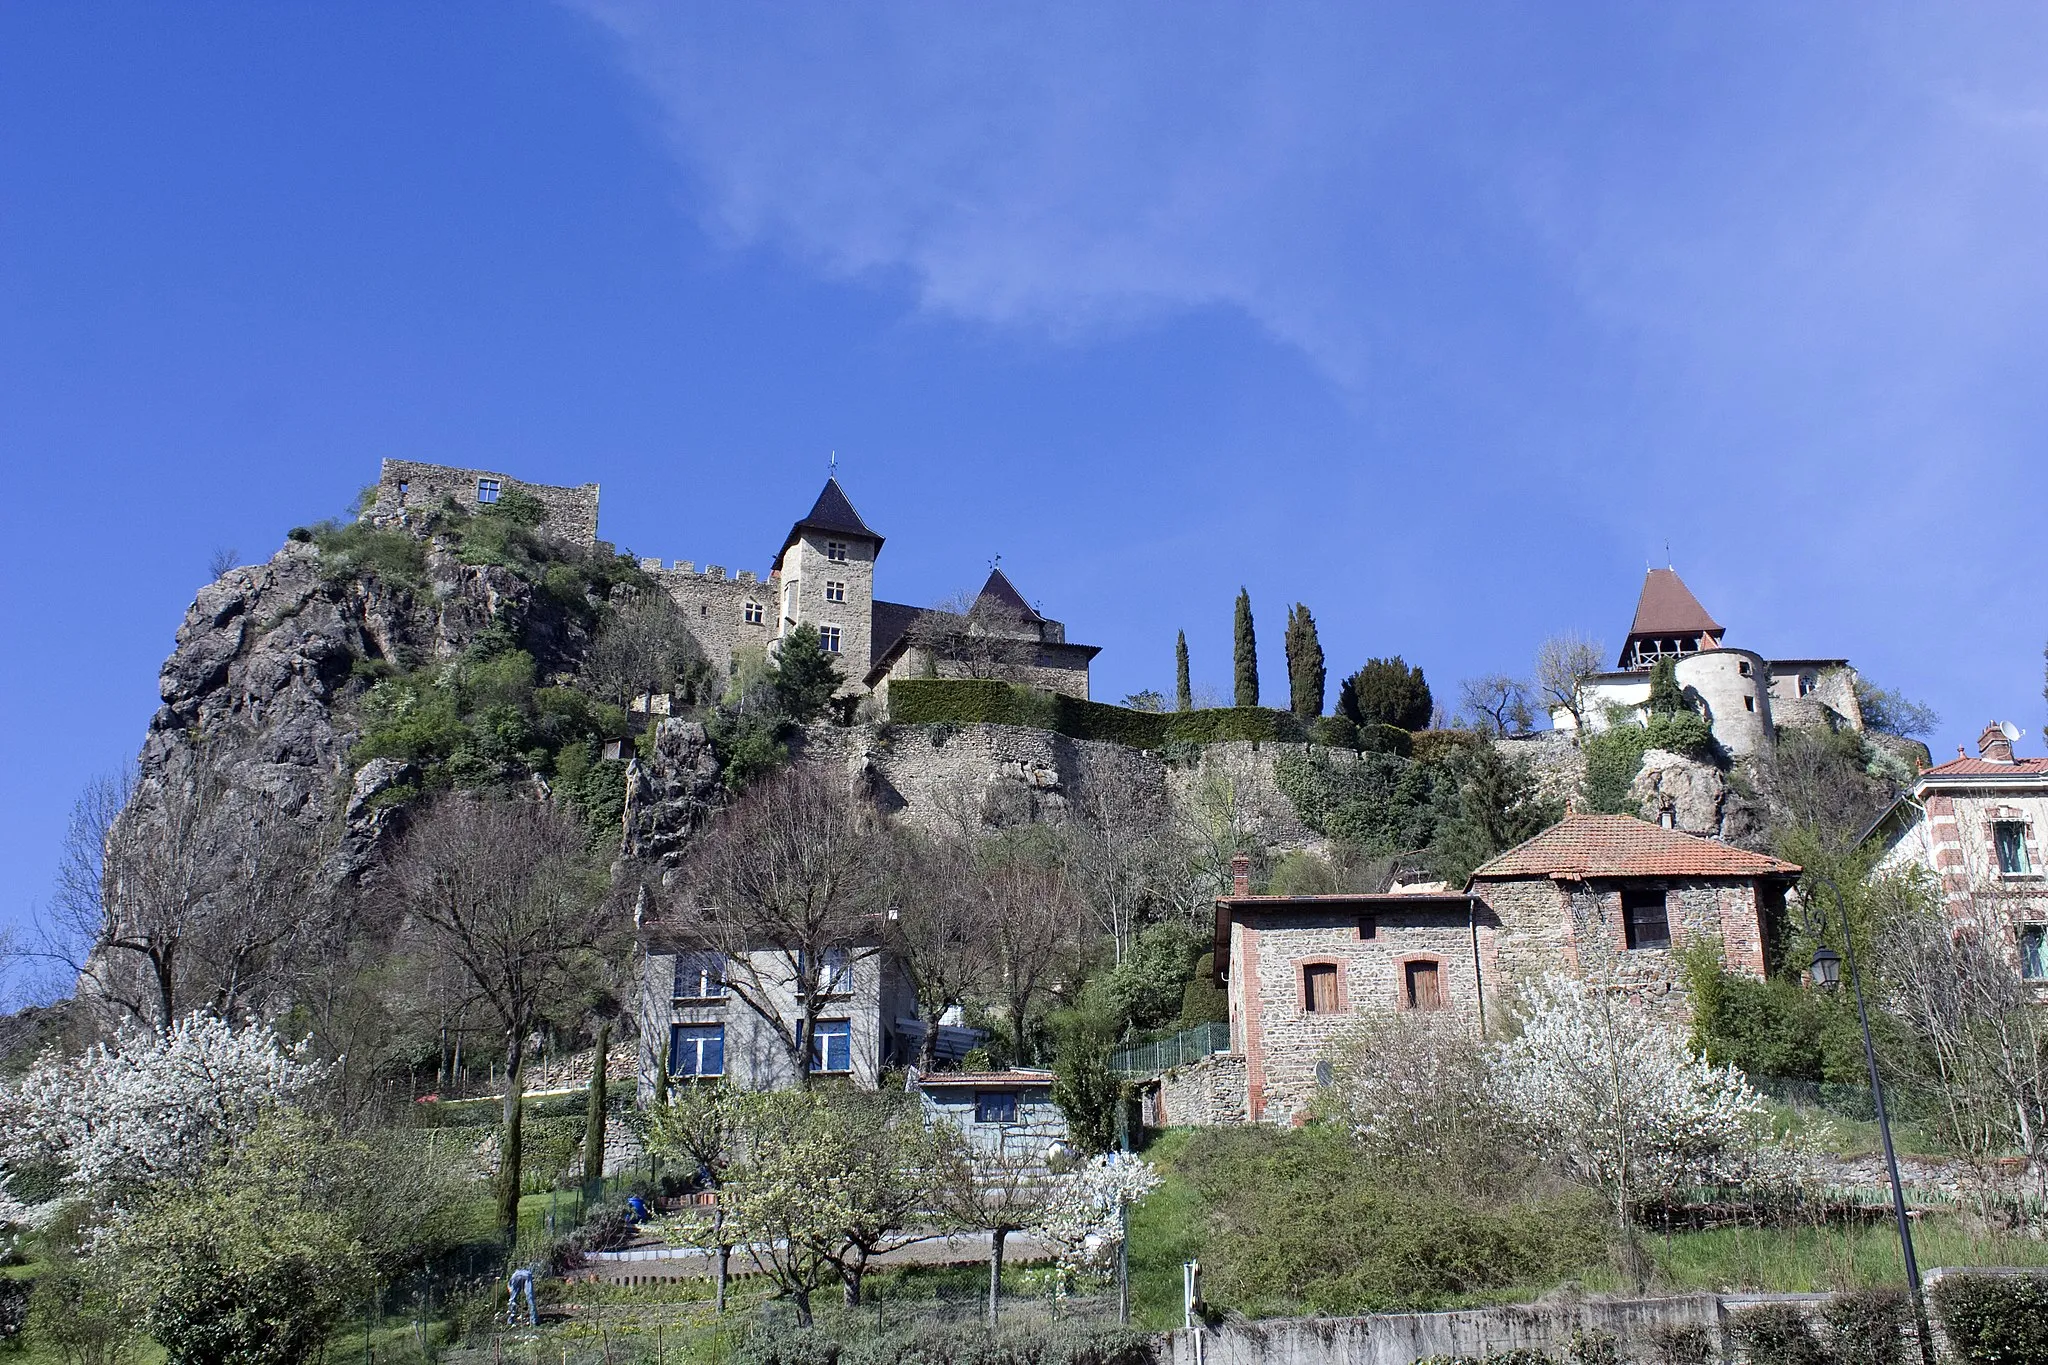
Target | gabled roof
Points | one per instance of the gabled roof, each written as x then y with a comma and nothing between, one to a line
1585,846
888,623
1000,592
833,513
1016,1077
1667,607
1978,767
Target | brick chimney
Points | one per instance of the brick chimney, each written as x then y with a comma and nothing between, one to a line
1240,875
1993,746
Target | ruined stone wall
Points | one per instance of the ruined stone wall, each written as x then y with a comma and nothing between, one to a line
406,485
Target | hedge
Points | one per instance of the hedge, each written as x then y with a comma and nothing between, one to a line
969,701
1994,1319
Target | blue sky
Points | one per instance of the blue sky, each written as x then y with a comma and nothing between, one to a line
1444,320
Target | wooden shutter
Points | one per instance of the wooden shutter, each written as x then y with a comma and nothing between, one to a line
1319,988
1425,986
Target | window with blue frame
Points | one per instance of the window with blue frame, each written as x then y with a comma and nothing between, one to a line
995,1106
699,976
2034,952
696,1050
832,1045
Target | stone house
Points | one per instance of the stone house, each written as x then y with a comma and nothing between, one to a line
406,488
1745,697
1974,826
1609,898
703,1016
1006,1114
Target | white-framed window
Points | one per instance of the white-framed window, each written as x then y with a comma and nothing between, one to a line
828,639
832,1046
835,550
1807,682
486,490
836,978
2034,952
699,976
835,591
752,614
696,1050
2010,837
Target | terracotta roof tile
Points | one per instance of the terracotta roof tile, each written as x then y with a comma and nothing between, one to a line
985,1078
1623,846
1977,767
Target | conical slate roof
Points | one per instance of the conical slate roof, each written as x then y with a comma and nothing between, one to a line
832,513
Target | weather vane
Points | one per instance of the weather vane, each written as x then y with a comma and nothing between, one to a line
833,463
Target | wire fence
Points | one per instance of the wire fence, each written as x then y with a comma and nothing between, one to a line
1189,1045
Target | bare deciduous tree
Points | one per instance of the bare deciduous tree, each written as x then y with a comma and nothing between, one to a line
1564,664
644,649
1498,703
790,883
976,637
1035,915
502,894
1122,848
182,891
941,930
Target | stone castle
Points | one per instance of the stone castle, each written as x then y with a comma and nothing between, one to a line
1745,697
822,576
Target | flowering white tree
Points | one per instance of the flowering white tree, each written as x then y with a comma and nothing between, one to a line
1082,1217
151,1107
1614,1097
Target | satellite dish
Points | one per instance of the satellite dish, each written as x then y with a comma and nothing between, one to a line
2011,732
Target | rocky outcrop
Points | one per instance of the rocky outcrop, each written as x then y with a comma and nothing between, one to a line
670,793
258,686
1697,797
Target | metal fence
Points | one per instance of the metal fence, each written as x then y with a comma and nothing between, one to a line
1189,1045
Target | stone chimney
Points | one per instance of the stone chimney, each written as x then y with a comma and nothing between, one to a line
1993,746
1240,875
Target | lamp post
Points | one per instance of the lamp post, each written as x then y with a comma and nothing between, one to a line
1827,974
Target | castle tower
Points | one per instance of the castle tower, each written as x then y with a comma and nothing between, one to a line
826,569
1670,623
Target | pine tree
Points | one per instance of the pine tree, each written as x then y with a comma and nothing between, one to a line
1246,653
806,675
1305,672
1183,692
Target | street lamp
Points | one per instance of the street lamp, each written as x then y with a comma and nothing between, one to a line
1827,974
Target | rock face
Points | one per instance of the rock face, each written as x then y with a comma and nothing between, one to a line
1697,796
258,685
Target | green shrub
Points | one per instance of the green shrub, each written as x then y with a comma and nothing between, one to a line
1685,1343
1994,1319
1868,1326
1681,732
1334,732
361,550
1385,739
1082,1086
1379,802
1613,758
1777,1334
940,1343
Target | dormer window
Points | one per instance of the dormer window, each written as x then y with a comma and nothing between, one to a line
486,490
835,550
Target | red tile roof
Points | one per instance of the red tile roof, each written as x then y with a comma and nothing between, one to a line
1977,767
986,1078
1667,607
1623,846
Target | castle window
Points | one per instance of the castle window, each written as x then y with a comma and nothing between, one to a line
1645,919
835,550
828,639
1743,668
1368,928
2011,838
1806,684
403,487
835,591
1319,988
486,490
2034,952
753,615
1749,703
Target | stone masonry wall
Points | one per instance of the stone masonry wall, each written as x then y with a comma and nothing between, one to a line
1210,1091
715,607
406,485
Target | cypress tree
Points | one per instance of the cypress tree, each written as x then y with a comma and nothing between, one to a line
1667,698
1183,692
660,1076
1246,653
593,1121
1305,672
